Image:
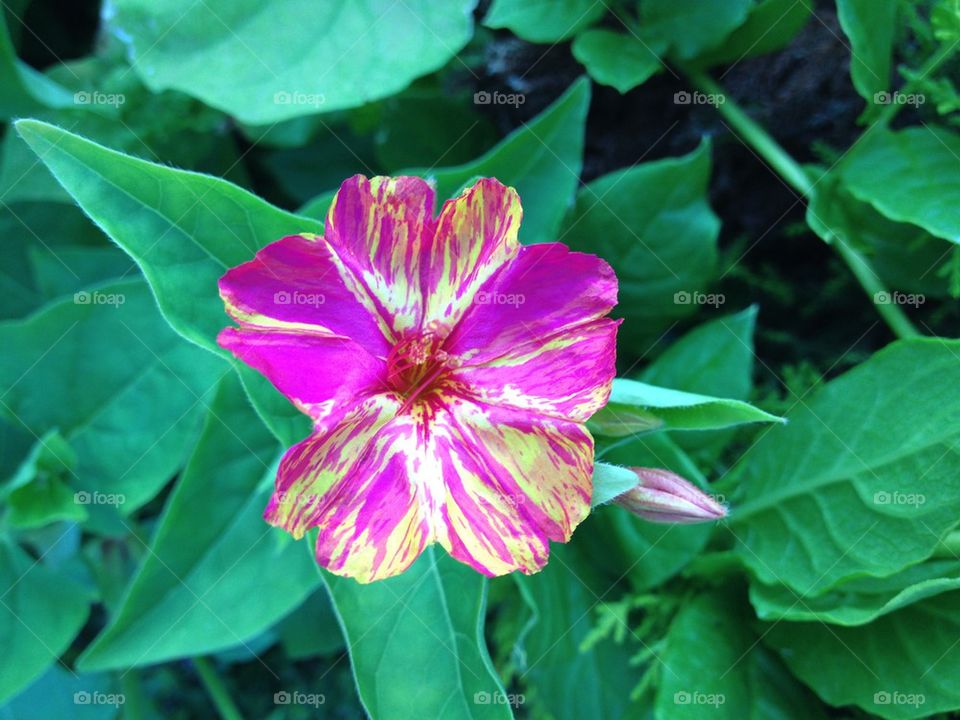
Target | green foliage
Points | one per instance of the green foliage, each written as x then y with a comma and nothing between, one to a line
136,457
229,55
859,462
653,224
870,26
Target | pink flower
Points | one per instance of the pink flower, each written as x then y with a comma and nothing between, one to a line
448,372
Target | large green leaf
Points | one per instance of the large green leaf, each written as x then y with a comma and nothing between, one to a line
268,61
903,665
712,666
417,643
863,480
559,680
130,415
910,176
860,600
637,407
215,574
544,21
691,27
652,223
541,159
40,613
183,229
870,25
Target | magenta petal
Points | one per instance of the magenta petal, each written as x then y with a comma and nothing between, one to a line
296,283
545,290
321,375
379,228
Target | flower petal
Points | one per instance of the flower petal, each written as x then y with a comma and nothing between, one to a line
295,284
355,485
476,234
544,291
379,227
511,482
568,375
322,375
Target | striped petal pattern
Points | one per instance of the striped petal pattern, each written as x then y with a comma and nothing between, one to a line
448,372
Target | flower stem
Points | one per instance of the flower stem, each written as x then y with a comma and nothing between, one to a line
794,175
216,689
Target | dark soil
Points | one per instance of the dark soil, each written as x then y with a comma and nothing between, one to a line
811,308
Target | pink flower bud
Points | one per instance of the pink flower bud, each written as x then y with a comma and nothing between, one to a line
664,497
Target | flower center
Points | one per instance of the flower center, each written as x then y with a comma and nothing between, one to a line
415,365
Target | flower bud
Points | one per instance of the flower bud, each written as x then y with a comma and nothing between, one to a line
665,497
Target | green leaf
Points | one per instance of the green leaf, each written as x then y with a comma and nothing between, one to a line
417,642
770,26
544,21
637,407
561,681
287,58
691,27
653,224
714,358
311,629
864,480
56,693
51,250
870,25
183,229
211,548
712,666
130,416
910,176
617,59
903,665
905,256
41,613
23,90
859,601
